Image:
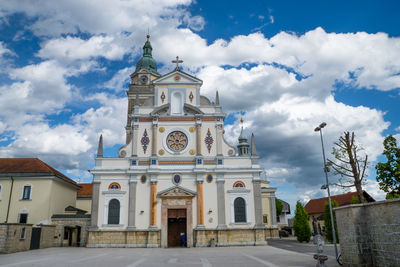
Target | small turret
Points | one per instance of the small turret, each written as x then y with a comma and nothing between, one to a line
217,99
243,146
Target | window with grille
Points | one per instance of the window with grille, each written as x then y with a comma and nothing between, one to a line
113,211
27,192
240,210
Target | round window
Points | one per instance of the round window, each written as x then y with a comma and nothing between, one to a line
177,141
143,179
176,179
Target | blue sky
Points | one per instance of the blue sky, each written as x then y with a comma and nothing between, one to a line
289,65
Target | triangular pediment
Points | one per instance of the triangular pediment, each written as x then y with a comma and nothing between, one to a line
177,77
176,192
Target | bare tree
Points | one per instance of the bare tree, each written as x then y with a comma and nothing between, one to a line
349,164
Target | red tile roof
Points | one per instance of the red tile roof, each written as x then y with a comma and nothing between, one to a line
315,206
30,165
86,190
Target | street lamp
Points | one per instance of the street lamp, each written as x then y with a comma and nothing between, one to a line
326,186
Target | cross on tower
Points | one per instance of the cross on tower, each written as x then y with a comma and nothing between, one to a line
177,61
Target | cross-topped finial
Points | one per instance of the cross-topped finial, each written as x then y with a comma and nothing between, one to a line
177,61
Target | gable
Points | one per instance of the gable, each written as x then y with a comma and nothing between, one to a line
177,77
176,192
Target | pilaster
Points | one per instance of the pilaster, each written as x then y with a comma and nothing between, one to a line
198,137
95,205
257,204
132,204
153,204
221,202
200,205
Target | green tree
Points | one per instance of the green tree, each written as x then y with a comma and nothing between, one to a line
279,207
388,173
300,224
349,164
392,195
327,221
355,200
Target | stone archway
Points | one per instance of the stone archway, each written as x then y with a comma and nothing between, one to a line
176,198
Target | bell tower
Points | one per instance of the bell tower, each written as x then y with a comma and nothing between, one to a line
141,88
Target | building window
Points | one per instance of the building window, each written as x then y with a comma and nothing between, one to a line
220,162
113,211
66,233
153,162
27,192
199,161
265,218
133,162
240,210
23,233
23,218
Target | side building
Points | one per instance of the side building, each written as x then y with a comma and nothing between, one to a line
177,181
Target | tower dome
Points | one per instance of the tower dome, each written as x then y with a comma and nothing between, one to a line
147,61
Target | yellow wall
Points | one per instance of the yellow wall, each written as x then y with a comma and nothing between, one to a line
5,194
62,195
84,204
48,196
266,208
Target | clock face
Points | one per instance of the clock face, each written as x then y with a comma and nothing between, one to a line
143,79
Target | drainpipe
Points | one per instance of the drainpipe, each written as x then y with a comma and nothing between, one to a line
9,199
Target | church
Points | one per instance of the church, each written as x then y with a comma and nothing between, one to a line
176,181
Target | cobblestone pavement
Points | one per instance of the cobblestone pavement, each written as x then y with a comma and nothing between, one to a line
132,257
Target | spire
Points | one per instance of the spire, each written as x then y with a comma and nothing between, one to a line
243,145
216,98
100,148
253,146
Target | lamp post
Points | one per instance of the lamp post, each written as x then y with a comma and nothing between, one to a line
319,129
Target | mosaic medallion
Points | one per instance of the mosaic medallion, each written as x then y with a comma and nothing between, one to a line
209,178
143,179
161,152
177,141
162,129
209,140
176,179
145,141
192,152
191,129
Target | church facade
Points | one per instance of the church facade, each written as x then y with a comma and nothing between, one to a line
176,181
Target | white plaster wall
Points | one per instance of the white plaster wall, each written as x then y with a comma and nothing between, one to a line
143,203
210,202
115,163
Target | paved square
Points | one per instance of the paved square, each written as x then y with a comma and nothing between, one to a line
132,257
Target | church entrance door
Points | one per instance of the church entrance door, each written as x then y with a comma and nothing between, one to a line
177,228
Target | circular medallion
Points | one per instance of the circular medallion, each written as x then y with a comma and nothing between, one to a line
161,152
177,141
191,151
176,179
143,179
209,178
177,78
162,129
191,129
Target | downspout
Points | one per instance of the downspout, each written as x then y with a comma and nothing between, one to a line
9,199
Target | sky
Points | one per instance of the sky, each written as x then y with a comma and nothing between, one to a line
288,65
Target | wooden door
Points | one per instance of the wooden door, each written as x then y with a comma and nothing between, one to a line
176,226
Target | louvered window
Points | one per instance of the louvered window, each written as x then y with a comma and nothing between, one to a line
240,209
113,211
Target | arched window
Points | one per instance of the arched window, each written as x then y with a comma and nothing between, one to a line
240,210
176,103
113,211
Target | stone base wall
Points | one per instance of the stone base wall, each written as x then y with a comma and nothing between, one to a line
124,239
369,233
231,237
47,236
271,233
61,223
11,239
